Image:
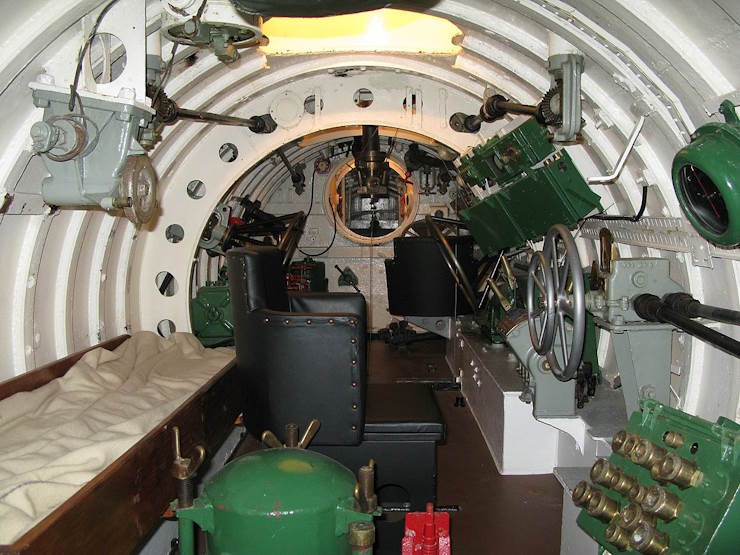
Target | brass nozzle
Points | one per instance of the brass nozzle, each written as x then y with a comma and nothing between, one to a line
678,470
602,506
646,453
646,539
623,483
617,536
664,504
291,435
673,439
632,515
623,442
582,493
366,479
637,493
604,473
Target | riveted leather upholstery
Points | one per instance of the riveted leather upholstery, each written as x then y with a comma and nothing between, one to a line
302,358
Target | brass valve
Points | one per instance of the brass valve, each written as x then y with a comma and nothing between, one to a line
647,539
604,473
617,536
673,439
623,482
582,493
662,503
623,442
678,470
646,453
602,506
632,515
291,436
183,468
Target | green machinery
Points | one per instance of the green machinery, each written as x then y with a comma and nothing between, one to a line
670,486
525,186
280,500
706,176
210,310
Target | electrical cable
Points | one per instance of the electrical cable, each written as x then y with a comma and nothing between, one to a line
636,218
81,56
308,213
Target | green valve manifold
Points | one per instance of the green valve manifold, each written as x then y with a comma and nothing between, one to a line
706,178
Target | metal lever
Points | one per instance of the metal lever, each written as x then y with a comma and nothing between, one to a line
308,435
606,179
271,440
183,469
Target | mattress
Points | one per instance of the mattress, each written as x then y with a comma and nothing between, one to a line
53,440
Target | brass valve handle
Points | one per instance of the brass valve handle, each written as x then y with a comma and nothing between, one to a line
291,432
185,467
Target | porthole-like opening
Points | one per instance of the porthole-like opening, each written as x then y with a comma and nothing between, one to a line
106,58
363,98
166,327
703,199
228,152
166,284
174,233
196,189
367,219
309,105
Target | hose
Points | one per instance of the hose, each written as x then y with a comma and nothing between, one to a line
689,306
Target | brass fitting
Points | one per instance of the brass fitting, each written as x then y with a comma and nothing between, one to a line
632,515
618,441
602,506
673,439
646,539
604,473
655,472
366,480
623,483
646,453
582,493
626,447
362,536
617,536
662,503
682,472
637,493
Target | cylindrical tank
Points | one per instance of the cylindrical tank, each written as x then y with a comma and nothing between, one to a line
277,501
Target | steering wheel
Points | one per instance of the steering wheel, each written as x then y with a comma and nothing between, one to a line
541,308
452,262
564,298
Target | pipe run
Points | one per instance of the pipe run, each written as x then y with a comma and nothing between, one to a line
651,308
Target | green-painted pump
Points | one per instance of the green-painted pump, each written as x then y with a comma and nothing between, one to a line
283,500
706,177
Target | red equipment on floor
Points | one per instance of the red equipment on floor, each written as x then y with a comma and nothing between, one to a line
427,533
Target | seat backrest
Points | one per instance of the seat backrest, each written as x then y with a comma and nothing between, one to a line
301,364
260,269
419,281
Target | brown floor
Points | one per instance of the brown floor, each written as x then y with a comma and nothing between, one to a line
498,514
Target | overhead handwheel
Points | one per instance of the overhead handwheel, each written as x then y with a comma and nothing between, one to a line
563,302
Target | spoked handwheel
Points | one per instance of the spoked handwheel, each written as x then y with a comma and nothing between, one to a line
452,262
563,301
540,304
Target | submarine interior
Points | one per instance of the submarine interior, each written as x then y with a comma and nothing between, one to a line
330,277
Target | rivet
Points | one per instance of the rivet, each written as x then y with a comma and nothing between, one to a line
354,427
354,384
331,321
267,320
353,341
286,321
308,322
354,406
354,361
351,322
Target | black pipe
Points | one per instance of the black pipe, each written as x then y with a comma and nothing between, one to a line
651,308
689,306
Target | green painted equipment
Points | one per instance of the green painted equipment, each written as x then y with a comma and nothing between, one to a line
706,178
274,501
533,187
671,485
210,312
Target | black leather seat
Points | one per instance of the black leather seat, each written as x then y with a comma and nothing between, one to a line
419,281
304,356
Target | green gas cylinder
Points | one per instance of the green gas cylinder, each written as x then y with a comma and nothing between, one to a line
276,501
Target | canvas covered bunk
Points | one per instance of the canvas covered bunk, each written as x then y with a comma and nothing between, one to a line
114,510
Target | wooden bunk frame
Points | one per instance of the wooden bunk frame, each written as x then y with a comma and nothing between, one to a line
118,508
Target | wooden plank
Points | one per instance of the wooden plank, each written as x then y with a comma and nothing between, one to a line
44,374
118,508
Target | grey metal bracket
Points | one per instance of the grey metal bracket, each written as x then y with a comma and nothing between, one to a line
566,69
442,325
